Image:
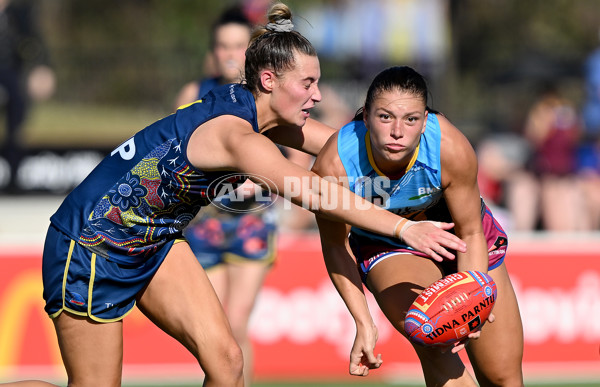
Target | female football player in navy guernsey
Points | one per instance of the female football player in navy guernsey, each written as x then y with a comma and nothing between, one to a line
116,239
422,168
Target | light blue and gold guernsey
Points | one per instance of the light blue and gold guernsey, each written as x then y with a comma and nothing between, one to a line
142,195
416,195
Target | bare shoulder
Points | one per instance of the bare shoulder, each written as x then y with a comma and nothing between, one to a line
213,143
457,155
328,162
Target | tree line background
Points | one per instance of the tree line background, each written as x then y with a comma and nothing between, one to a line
136,54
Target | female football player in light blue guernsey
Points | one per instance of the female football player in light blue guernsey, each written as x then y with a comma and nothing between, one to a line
116,239
414,162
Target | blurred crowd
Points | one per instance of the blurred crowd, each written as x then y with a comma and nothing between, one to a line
547,176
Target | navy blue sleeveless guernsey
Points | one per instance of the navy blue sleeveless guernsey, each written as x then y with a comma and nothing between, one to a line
146,191
207,84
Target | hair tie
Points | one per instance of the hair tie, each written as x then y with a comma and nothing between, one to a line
281,25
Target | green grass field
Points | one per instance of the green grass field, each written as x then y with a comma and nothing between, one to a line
367,384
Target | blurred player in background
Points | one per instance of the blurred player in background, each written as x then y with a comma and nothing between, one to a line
116,240
235,246
229,40
421,167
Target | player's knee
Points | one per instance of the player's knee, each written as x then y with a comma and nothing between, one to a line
235,359
230,369
513,379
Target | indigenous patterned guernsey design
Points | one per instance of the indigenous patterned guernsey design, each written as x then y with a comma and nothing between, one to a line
146,191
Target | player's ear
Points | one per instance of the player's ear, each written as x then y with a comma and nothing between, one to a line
267,80
425,121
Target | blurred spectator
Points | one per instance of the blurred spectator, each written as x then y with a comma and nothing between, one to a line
553,128
24,72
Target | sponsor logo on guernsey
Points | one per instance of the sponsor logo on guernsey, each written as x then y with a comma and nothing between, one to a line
499,246
423,192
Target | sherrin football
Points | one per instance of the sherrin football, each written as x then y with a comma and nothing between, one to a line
451,308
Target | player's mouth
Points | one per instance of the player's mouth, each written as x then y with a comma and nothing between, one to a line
394,147
306,112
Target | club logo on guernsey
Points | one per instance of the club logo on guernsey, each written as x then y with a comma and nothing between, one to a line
233,189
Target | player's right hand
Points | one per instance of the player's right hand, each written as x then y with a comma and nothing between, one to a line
431,238
459,346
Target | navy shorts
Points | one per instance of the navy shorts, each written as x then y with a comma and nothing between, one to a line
231,238
83,283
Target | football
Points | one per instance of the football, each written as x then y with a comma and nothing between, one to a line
451,308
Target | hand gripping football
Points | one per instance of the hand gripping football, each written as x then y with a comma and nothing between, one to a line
451,308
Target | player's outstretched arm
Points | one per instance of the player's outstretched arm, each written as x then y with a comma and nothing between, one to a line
241,149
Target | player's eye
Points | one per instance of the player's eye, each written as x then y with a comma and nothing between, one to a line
412,120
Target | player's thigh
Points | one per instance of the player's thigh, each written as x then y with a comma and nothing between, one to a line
245,282
497,355
92,352
181,300
397,281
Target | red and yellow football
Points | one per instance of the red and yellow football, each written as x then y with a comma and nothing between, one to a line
451,308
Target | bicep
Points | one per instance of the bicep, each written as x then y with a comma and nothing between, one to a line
459,178
256,155
309,138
